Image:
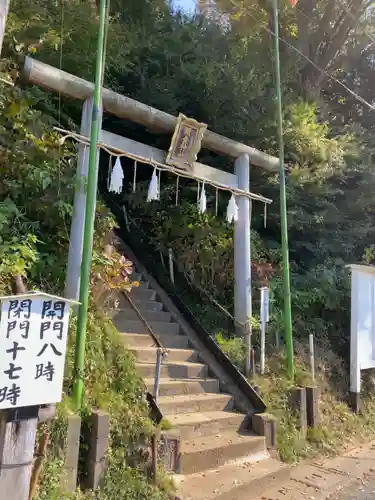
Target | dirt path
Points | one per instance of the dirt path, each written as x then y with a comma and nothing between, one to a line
360,490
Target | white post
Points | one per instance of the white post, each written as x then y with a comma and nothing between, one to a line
242,258
355,368
4,8
312,356
171,269
79,208
264,318
262,346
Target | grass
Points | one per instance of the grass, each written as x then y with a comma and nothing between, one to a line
338,429
165,425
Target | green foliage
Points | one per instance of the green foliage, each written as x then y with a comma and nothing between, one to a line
234,348
338,426
51,481
223,77
36,178
201,243
112,384
119,389
121,482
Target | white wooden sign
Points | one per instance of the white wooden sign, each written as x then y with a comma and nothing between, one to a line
33,341
362,331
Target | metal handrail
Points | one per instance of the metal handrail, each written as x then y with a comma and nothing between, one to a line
143,320
161,352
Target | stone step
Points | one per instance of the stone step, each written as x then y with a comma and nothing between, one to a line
136,326
191,403
142,305
241,481
130,314
175,370
141,294
193,425
132,340
209,452
148,355
168,341
170,387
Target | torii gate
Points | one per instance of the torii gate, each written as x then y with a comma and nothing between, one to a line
59,81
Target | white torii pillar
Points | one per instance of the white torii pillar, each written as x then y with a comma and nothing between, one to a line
242,258
79,207
4,8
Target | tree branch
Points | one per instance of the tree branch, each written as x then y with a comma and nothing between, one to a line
337,37
304,13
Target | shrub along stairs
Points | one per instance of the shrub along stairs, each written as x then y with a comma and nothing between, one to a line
220,456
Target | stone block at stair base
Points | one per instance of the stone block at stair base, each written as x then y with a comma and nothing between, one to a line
264,424
312,401
297,401
100,424
71,453
169,451
98,442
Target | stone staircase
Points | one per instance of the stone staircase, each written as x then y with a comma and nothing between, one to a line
221,457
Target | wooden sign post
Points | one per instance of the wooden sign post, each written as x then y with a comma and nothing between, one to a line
33,341
362,328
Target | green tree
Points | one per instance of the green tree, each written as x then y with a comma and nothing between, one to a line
222,74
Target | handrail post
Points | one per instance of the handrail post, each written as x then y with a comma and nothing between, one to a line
248,359
171,269
160,353
312,356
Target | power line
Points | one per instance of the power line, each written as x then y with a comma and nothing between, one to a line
345,8
326,73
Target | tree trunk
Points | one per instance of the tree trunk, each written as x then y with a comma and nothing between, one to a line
327,42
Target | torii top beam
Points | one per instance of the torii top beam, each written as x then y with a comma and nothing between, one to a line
59,81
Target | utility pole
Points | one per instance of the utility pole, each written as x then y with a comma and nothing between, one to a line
283,210
92,186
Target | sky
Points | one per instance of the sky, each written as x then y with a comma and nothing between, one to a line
188,5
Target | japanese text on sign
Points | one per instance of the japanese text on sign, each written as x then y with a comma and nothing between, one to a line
33,337
186,141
